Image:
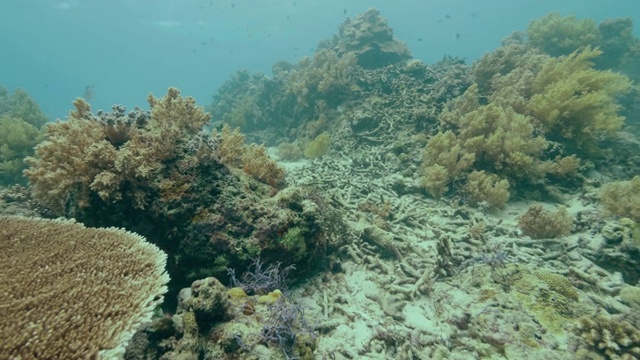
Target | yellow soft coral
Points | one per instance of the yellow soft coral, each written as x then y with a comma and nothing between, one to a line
575,103
270,298
558,35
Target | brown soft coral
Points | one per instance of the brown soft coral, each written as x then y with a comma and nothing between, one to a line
539,223
78,161
257,163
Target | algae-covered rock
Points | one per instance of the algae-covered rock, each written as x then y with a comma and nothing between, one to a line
371,39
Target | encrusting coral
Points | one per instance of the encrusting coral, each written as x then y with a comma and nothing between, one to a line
71,292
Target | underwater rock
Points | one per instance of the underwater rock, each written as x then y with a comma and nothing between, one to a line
371,39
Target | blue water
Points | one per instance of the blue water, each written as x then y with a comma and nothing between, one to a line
128,48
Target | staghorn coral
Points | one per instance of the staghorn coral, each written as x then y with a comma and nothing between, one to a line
538,223
614,337
87,155
574,103
17,140
72,292
557,35
622,198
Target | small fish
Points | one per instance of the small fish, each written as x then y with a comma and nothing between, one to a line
344,11
233,5
447,16
287,17
457,36
294,3
88,92
419,39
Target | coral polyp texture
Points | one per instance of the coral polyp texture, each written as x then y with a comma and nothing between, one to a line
72,292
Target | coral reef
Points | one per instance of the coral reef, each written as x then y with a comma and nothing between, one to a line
396,274
622,198
331,91
370,39
614,337
97,288
558,35
20,124
20,105
326,76
214,322
205,199
541,113
17,139
115,157
539,223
